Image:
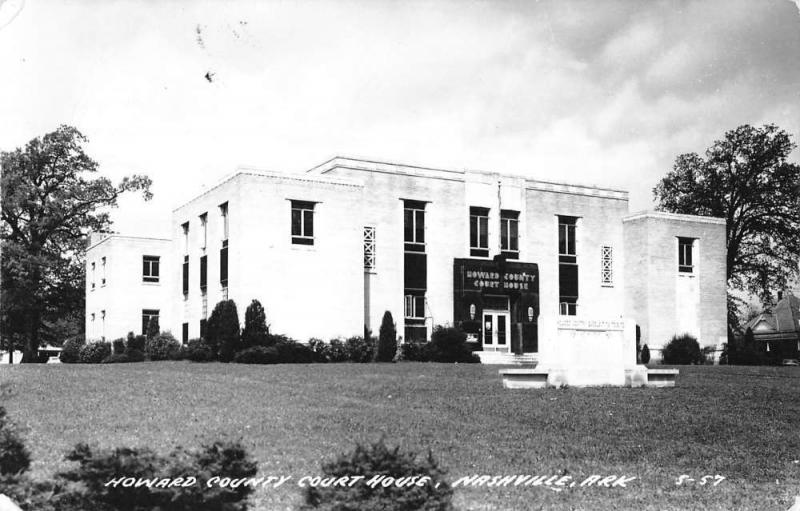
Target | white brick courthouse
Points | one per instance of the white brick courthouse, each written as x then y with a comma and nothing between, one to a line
328,251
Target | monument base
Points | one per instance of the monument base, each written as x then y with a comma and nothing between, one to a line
540,378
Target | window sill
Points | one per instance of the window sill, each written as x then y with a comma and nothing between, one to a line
607,285
151,283
303,248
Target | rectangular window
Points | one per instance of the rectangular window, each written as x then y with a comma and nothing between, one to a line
509,233
147,315
369,248
203,328
93,272
223,265
223,212
203,273
103,278
203,230
568,306
302,222
185,275
606,266
479,232
414,225
567,267
685,255
185,333
150,270
415,307
204,311
566,239
185,228
103,325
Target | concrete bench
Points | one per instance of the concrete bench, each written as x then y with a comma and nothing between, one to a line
661,377
523,378
539,378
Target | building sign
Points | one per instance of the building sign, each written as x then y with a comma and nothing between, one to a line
572,323
479,279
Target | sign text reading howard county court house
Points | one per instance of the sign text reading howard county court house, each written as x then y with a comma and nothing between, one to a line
479,279
590,324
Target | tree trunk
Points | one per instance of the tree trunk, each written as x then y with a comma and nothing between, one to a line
30,354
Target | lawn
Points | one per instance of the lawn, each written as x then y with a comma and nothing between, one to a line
741,423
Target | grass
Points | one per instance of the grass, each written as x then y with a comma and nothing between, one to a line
740,422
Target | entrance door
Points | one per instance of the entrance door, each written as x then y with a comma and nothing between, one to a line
496,331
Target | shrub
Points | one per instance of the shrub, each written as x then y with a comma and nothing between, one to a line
449,344
414,351
257,355
135,342
255,330
152,328
682,350
117,358
222,331
71,350
337,351
292,352
162,346
360,349
387,339
118,346
14,456
321,349
645,354
379,460
199,351
743,351
135,355
94,352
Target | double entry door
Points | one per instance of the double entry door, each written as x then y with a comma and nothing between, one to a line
496,326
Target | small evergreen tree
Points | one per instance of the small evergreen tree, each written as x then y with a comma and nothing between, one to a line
682,350
387,339
645,354
256,331
223,330
152,328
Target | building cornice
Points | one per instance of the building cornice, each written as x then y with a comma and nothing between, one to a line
663,215
117,236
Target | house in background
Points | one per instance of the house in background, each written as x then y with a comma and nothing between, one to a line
777,331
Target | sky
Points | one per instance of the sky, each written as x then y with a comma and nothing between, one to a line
603,92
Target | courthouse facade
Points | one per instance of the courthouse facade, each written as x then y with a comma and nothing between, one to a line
328,251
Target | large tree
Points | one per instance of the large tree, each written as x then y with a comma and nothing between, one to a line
50,203
746,179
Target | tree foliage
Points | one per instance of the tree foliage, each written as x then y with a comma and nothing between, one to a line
387,339
50,202
746,179
223,330
256,331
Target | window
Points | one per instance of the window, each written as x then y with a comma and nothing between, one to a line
185,275
567,267
606,266
223,265
415,306
566,239
203,230
369,248
479,232
204,311
509,233
302,222
185,228
203,328
685,255
203,273
150,268
185,333
568,307
103,325
147,315
223,212
414,225
93,272
103,264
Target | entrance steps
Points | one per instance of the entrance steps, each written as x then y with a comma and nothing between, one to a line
506,358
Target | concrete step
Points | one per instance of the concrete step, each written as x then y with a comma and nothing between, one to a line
505,358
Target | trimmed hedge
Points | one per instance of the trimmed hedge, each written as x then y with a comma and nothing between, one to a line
449,344
162,346
257,355
71,350
94,352
682,350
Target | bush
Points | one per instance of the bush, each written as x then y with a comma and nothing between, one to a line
94,352
118,346
449,344
117,358
743,351
387,339
14,456
256,331
337,351
645,354
199,351
379,460
414,351
682,350
135,355
162,346
135,342
257,355
222,332
292,352
321,349
71,350
360,349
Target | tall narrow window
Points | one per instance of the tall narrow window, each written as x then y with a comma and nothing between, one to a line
103,267
103,325
479,232
302,222
223,265
185,333
369,248
414,225
567,267
606,266
509,233
150,268
93,273
185,229
685,255
223,212
147,316
185,275
203,230
203,273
